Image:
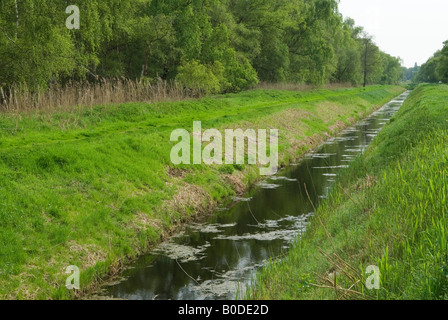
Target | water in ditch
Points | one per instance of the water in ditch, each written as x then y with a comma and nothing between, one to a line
218,257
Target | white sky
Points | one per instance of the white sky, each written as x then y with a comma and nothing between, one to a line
410,29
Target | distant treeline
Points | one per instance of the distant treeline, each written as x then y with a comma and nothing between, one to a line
436,68
410,73
208,45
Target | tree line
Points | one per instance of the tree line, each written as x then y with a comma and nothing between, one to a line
436,68
410,73
210,45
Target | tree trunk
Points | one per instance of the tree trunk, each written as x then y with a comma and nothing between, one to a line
145,66
365,63
17,18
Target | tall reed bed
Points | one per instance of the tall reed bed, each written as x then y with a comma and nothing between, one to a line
73,95
20,98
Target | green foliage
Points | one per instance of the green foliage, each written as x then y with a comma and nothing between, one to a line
436,68
198,77
392,70
428,71
239,73
370,60
442,68
409,74
300,41
349,55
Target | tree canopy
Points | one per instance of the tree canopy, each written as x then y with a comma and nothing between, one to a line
436,68
215,45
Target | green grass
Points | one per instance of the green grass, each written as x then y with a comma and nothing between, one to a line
95,187
388,209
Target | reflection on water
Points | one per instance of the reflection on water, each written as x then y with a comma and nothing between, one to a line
217,258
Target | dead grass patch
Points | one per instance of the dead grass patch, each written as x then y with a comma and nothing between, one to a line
366,183
236,181
189,198
177,173
142,221
338,126
89,254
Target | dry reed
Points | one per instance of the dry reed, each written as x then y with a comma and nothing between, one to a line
73,95
20,99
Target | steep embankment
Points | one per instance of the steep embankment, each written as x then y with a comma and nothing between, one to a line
388,210
94,188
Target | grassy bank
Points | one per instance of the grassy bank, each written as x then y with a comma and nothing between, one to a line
389,209
95,187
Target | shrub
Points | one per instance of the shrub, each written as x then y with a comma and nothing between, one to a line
198,77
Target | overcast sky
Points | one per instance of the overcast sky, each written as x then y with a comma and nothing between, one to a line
410,29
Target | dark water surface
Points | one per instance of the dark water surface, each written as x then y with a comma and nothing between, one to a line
217,258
